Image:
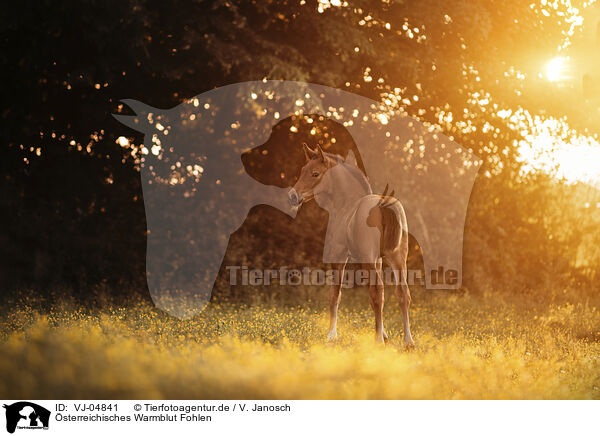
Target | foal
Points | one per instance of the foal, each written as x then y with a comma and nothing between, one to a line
363,228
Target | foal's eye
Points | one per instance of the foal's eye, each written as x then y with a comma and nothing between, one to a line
315,174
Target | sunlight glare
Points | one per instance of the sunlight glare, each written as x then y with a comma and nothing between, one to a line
550,145
555,69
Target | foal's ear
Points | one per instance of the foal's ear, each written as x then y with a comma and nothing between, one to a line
320,153
308,153
311,154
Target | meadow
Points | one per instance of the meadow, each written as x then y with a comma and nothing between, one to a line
468,347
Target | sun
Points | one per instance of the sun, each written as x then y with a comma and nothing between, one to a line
555,69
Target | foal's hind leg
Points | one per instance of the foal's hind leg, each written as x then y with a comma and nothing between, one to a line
398,261
335,295
380,272
377,298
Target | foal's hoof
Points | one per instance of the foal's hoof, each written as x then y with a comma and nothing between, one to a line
332,336
380,340
409,346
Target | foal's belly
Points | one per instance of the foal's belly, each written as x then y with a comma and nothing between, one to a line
362,234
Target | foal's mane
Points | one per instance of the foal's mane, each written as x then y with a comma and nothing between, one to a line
353,170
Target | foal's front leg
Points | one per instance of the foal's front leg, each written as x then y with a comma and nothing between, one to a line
335,295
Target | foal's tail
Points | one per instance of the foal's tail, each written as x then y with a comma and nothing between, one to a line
390,239
396,244
395,229
393,225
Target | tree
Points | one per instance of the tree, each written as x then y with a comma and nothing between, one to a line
72,203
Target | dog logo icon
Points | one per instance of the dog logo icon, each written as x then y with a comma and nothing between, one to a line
26,415
205,163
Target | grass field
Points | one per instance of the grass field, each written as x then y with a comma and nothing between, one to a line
491,347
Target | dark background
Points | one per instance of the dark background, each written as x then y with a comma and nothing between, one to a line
71,206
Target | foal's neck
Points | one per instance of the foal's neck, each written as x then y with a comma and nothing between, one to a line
346,190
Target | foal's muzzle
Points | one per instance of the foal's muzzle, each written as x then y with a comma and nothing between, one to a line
294,198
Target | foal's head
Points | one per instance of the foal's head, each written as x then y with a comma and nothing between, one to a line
308,184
